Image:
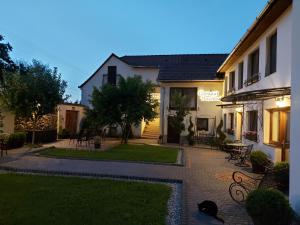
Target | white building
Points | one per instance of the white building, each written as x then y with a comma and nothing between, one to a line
256,106
192,75
262,82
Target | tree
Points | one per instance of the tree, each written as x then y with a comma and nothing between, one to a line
6,63
191,133
32,91
126,104
179,102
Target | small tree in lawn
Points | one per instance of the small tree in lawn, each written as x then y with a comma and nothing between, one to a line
179,102
33,91
126,104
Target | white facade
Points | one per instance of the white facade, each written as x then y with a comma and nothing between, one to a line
62,115
124,70
295,121
7,122
206,108
278,79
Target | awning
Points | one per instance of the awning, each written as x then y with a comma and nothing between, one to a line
262,94
231,105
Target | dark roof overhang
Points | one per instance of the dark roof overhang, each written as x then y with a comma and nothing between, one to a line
262,94
233,105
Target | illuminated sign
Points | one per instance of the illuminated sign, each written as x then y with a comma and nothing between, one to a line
209,96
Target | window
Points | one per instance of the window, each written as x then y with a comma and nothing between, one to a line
251,134
271,54
279,127
253,68
232,81
230,129
202,124
190,97
231,117
252,121
241,75
112,75
226,84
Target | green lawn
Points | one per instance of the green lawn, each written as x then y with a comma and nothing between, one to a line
50,200
129,152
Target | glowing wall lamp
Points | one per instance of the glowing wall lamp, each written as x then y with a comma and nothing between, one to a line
281,102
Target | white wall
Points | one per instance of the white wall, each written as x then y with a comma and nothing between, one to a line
204,109
295,120
282,77
61,115
123,69
8,122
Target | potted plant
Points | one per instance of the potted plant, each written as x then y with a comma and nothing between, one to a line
259,161
269,207
281,175
97,142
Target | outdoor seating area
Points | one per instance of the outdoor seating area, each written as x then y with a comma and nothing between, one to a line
238,152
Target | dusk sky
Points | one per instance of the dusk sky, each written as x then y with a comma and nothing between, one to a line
77,36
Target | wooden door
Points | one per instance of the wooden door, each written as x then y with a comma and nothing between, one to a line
173,135
71,121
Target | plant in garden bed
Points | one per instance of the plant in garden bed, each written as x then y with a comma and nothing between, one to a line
191,133
259,161
281,174
269,207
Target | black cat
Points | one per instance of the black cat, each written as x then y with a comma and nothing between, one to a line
210,208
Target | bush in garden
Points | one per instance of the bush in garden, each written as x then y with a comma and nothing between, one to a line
269,207
281,174
259,161
16,140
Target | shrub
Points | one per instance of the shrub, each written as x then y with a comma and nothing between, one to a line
190,136
16,140
281,173
259,161
269,207
64,133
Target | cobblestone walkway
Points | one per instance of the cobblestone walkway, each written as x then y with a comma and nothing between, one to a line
206,176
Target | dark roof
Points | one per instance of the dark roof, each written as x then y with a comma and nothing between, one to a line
186,67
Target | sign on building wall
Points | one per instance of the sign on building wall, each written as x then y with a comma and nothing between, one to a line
209,96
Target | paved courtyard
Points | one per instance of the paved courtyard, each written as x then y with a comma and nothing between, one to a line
206,176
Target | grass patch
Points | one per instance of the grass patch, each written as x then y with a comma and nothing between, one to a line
128,152
50,200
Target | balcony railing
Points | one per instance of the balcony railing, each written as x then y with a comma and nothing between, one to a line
252,79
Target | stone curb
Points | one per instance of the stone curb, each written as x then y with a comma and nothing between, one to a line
82,174
179,160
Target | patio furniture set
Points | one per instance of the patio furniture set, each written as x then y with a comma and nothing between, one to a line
239,152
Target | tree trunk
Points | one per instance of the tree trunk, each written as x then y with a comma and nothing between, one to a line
33,137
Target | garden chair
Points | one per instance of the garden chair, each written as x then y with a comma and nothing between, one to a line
244,156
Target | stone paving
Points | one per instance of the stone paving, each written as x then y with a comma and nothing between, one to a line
206,176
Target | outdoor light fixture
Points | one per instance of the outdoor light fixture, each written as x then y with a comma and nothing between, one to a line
281,102
209,96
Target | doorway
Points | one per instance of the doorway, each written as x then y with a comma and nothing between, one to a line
173,135
71,121
280,130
